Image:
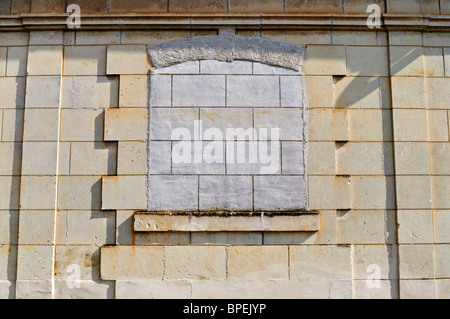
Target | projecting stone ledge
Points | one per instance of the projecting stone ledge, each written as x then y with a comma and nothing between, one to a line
226,221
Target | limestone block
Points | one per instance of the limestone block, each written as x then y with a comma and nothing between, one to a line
157,289
373,192
321,158
85,228
415,227
440,189
260,6
195,262
38,192
218,67
133,91
359,92
227,238
9,192
320,262
410,125
412,158
84,60
289,193
265,69
132,157
292,160
438,95
46,37
8,227
127,59
325,60
289,121
3,53
413,192
388,289
81,260
258,262
151,239
441,226
41,125
406,61
39,158
163,122
433,62
33,289
411,38
69,38
299,37
7,289
8,257
89,92
383,256
365,227
304,6
417,289
79,192
328,125
290,238
93,158
354,37
408,92
173,193
10,162
319,91
160,90
97,37
34,262
437,126
416,261
329,192
88,289
253,91
152,37
205,90
436,39
45,60
124,192
126,124
442,254
43,91
12,90
442,285
14,38
131,262
367,61
447,61
37,227
225,192
82,125
414,6
364,159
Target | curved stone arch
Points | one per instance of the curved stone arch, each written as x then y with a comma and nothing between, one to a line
227,48
185,74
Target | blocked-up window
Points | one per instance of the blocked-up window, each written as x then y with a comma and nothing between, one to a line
226,136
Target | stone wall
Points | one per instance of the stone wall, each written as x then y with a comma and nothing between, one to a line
78,120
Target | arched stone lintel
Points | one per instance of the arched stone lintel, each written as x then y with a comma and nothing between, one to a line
227,48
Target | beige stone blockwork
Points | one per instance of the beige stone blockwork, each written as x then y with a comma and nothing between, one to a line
133,91
406,61
415,227
41,125
433,62
9,192
441,226
438,94
328,125
132,158
438,126
258,262
384,256
321,158
3,54
79,192
366,227
417,289
12,130
38,192
10,161
84,60
413,192
93,158
299,37
34,262
319,91
43,92
436,39
412,38
127,59
325,60
86,259
416,261
14,38
37,227
152,37
413,6
440,189
447,61
412,158
370,125
12,91
82,125
408,92
329,192
373,192
9,220
305,6
88,289
126,124
367,61
124,192
195,262
410,125
131,262
320,262
361,92
46,37
364,159
39,158
97,37
8,257
45,60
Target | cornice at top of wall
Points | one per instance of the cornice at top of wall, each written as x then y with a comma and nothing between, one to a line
47,21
